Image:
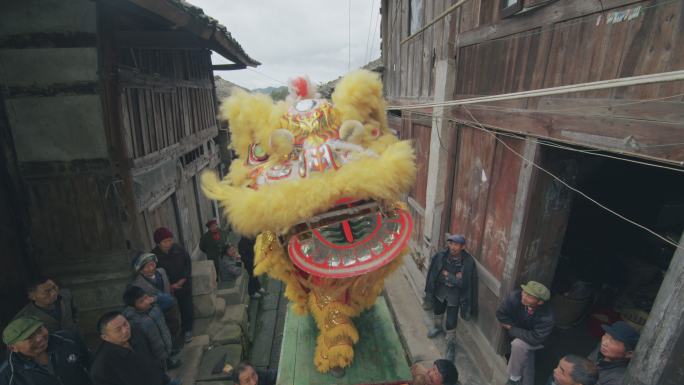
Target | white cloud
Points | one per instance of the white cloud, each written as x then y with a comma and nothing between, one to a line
297,37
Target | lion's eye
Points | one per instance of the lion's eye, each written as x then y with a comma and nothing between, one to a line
257,154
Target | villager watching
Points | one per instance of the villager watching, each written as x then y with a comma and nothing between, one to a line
214,243
451,286
529,321
246,251
37,357
574,370
154,281
50,304
145,315
176,261
125,357
442,372
247,374
614,352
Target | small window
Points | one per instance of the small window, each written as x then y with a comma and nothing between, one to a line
415,16
510,7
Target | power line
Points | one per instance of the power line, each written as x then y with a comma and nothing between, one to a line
370,25
267,76
349,37
375,30
481,127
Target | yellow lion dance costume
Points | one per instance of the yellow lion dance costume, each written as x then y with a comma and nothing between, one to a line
320,184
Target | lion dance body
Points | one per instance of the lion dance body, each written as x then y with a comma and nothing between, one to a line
319,184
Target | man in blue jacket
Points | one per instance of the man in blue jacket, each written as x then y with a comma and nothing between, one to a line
529,321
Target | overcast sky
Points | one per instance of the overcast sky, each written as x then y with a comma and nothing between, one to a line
297,37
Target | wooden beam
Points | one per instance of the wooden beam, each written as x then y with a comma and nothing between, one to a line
130,78
228,67
635,137
143,164
158,40
546,16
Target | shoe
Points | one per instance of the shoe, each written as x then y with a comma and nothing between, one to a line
262,291
173,363
188,337
256,296
450,352
512,382
434,332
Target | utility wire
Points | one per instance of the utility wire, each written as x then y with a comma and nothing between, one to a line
349,37
267,76
482,128
370,25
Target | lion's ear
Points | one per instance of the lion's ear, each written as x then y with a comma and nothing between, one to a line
358,96
249,118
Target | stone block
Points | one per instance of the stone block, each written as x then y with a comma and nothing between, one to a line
203,278
218,357
227,334
191,357
220,308
204,306
237,315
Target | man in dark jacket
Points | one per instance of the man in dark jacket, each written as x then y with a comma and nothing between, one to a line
173,258
451,285
214,243
529,321
613,354
39,358
246,251
124,357
51,305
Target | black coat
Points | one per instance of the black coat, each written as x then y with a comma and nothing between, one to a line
70,361
535,329
116,365
177,265
469,289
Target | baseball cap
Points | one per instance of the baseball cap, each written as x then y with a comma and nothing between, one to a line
457,238
20,329
536,289
624,333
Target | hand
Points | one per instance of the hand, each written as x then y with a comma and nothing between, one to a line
459,275
445,273
506,326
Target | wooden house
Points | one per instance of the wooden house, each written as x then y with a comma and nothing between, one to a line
503,172
108,116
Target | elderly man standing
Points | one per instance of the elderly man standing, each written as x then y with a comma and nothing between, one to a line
214,243
614,352
39,358
529,321
173,258
54,307
451,285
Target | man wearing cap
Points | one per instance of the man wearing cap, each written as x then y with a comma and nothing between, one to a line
529,321
214,243
451,285
39,358
173,258
614,352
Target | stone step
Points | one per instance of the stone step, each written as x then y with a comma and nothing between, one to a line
217,357
236,315
220,308
237,293
191,358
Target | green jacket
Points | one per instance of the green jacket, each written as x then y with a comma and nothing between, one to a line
212,248
67,310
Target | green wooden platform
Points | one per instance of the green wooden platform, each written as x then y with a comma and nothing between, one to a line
379,355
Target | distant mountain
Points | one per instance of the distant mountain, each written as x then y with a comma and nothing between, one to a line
223,87
266,90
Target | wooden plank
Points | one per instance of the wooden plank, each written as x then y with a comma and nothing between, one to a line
126,126
92,221
661,111
629,136
130,78
379,356
555,12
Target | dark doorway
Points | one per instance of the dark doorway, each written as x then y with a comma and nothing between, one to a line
609,269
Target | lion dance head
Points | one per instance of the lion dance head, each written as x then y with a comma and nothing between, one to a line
319,184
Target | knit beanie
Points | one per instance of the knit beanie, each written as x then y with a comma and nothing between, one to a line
162,233
141,260
448,371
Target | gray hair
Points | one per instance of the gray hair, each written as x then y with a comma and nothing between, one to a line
583,370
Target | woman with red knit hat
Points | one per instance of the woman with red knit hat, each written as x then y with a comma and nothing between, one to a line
176,261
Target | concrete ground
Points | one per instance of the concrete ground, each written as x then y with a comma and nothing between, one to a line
412,323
